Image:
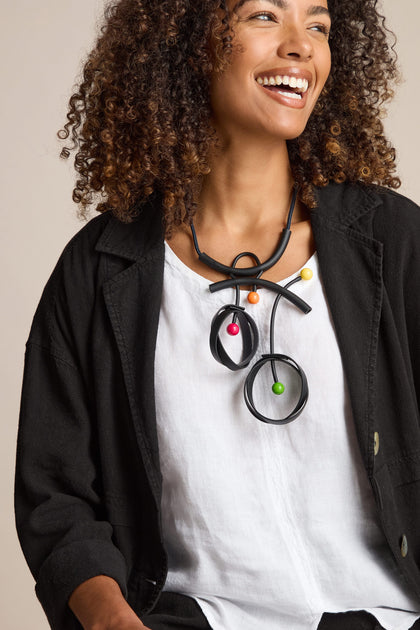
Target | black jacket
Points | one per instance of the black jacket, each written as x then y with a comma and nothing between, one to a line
88,484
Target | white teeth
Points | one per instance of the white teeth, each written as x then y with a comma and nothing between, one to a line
297,97
293,82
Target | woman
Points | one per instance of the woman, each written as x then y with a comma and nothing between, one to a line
233,123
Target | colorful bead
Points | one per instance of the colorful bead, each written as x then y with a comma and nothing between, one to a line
306,274
253,297
278,388
233,329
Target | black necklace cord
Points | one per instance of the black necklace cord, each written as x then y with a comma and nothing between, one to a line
278,388
249,271
266,284
254,299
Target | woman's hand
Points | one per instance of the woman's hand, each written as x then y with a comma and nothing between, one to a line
125,624
99,605
128,620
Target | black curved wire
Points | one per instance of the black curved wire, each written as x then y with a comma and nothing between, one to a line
259,269
272,322
267,284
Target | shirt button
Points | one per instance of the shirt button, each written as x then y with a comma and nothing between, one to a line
376,443
404,546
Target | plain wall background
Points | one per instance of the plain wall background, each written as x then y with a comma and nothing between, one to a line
42,43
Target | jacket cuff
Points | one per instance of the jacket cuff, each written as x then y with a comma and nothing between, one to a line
69,566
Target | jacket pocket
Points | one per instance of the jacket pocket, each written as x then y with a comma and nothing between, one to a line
399,486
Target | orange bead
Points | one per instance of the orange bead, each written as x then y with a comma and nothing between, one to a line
253,297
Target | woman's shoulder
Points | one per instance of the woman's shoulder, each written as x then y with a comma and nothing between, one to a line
355,204
395,202
106,233
98,252
396,221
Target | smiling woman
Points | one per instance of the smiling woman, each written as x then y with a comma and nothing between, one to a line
229,439
283,46
155,132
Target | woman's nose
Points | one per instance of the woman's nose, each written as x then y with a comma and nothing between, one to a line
295,43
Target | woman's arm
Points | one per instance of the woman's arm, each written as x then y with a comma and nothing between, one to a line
99,605
61,520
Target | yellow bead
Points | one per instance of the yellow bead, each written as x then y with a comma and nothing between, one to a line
306,274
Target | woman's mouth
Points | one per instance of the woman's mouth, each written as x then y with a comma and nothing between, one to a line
287,85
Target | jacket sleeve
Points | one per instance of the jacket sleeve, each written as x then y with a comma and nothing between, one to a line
59,512
397,226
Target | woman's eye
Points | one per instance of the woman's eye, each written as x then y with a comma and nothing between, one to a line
321,28
263,17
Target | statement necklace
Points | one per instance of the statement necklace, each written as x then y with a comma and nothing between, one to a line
241,322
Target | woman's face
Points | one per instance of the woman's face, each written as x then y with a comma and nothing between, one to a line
278,67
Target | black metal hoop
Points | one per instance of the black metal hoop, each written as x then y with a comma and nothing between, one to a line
249,333
249,384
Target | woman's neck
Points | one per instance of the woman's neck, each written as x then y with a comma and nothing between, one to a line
243,207
247,187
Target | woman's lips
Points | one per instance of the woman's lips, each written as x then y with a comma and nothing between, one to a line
287,85
288,98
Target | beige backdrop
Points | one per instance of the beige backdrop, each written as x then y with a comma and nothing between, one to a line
41,44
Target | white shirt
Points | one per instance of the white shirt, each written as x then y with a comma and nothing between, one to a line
266,526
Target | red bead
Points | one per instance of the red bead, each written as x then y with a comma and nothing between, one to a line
253,297
233,329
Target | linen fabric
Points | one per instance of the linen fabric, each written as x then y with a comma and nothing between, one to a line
260,520
88,480
179,611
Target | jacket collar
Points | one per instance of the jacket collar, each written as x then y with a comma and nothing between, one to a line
345,203
338,203
136,240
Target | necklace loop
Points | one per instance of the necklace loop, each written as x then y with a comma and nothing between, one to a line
249,333
249,385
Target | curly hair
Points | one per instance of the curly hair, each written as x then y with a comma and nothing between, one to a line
140,118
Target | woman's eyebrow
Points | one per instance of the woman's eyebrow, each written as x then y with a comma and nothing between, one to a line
283,4
317,10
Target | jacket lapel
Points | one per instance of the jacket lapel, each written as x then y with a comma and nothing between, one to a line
351,271
132,298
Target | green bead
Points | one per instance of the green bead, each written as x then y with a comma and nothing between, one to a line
278,388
